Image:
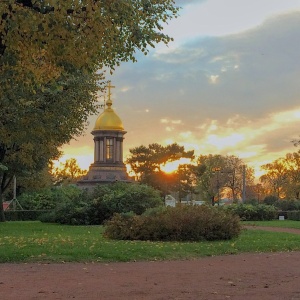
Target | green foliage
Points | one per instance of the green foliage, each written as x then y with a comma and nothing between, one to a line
122,198
248,212
270,200
48,198
72,212
33,126
251,201
294,215
68,204
180,223
77,207
71,204
219,175
287,205
24,215
38,200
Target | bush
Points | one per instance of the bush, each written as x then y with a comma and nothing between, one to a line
23,215
121,198
72,212
270,200
180,223
248,212
77,207
293,215
48,198
287,205
251,201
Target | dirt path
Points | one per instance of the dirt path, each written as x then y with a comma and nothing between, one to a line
271,276
276,229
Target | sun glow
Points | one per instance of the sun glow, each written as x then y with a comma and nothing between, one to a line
83,161
172,166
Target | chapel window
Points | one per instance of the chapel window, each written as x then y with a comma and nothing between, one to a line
109,148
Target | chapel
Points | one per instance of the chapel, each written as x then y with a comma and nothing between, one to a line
108,135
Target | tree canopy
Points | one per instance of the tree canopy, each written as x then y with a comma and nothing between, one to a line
52,57
282,177
38,38
146,163
219,175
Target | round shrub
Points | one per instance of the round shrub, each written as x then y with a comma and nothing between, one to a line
180,223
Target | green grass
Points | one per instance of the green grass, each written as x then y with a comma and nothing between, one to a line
40,242
275,223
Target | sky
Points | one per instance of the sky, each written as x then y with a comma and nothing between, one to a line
229,84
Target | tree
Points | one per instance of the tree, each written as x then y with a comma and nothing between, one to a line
283,176
38,38
33,126
217,174
35,181
292,162
234,175
186,180
146,163
209,181
276,177
68,172
50,56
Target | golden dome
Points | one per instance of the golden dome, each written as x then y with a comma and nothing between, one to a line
108,120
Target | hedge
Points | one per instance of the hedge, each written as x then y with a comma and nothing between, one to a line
248,212
23,215
294,215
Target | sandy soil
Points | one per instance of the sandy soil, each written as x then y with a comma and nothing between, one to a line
268,276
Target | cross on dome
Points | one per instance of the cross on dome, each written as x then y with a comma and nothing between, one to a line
109,86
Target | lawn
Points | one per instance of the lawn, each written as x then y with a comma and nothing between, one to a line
40,242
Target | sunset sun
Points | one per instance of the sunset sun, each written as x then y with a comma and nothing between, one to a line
172,166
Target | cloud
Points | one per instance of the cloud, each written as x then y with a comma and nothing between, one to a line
176,122
249,69
219,17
